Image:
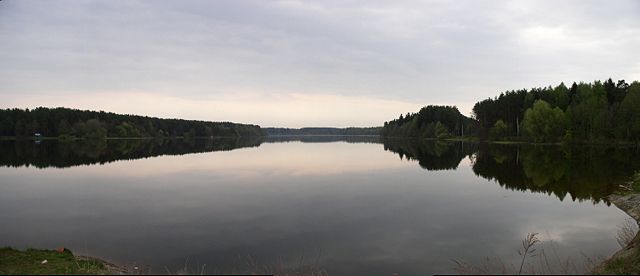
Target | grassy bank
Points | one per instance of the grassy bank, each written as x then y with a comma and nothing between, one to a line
36,261
623,264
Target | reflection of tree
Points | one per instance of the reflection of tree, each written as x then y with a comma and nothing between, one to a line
73,153
544,165
431,155
499,163
584,173
91,151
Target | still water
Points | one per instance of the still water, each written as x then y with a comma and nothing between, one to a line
342,205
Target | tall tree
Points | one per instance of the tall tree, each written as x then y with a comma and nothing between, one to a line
544,124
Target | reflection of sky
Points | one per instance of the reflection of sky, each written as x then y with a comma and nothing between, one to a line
361,207
292,158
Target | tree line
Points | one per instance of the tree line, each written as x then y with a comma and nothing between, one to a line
69,123
431,122
584,112
277,131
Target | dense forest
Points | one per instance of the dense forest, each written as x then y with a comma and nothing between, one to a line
65,122
272,131
431,122
584,112
592,112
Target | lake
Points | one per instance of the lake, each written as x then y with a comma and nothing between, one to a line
340,205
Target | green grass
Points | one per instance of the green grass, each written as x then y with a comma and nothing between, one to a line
627,265
13,261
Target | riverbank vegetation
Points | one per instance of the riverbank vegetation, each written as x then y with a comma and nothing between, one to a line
598,112
35,261
72,123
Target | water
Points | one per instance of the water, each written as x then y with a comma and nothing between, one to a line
346,205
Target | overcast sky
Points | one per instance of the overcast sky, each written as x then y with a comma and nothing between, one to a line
304,63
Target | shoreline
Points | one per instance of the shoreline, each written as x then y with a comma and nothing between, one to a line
469,139
474,139
112,268
625,260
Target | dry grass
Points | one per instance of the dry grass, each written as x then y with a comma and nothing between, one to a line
302,267
251,266
536,257
528,249
185,270
626,261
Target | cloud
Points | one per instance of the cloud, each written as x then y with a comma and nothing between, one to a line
418,52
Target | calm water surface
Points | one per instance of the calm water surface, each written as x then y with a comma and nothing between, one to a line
350,205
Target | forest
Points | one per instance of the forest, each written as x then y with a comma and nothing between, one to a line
591,112
73,123
596,112
431,122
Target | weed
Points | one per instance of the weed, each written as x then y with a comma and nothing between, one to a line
534,259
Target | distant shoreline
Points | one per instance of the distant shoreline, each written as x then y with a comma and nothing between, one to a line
472,139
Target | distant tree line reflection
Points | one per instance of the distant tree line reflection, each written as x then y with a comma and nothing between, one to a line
62,154
47,153
579,172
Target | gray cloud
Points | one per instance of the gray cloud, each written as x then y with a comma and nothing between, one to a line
418,52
